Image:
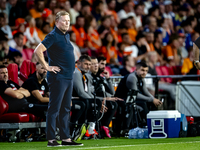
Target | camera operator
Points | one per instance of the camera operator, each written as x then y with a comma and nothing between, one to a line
135,81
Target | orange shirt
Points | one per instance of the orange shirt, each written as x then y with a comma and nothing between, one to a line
151,47
132,33
35,14
169,52
108,53
80,36
40,34
114,33
95,35
187,66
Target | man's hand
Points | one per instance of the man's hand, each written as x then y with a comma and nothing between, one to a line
157,102
106,74
103,107
54,69
197,65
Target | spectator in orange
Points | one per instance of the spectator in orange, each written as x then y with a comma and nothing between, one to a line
38,24
93,39
130,28
111,10
38,10
113,28
150,39
108,49
48,17
188,67
78,29
31,33
20,24
51,4
170,51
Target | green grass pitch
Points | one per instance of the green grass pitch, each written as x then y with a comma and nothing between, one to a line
192,143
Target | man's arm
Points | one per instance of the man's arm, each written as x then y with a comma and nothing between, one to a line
78,85
131,83
14,94
23,91
196,56
39,97
39,53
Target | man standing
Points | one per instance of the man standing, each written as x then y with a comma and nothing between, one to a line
60,74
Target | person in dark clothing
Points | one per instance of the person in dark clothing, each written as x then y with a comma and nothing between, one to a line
103,88
16,96
60,78
36,84
128,64
135,81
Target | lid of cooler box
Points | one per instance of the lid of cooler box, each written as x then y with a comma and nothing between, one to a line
163,114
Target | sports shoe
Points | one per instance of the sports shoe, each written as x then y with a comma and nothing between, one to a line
53,144
106,130
81,133
72,143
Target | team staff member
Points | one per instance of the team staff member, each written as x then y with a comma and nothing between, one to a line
60,74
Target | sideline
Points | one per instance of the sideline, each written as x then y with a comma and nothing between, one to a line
103,147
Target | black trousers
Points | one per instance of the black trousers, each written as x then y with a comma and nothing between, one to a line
89,115
78,108
107,117
59,107
124,116
36,109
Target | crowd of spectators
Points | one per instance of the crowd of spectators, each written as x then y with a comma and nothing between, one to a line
109,28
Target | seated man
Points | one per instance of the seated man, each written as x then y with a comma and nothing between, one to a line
96,70
16,96
135,81
83,89
37,86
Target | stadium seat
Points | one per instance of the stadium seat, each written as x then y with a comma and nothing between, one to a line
13,72
27,54
26,69
11,117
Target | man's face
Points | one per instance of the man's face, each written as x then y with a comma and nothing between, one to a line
40,6
4,74
102,65
41,71
85,65
81,22
94,66
63,23
19,40
73,37
142,71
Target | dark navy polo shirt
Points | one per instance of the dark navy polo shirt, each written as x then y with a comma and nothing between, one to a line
60,53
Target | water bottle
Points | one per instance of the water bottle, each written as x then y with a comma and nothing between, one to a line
146,134
135,133
140,133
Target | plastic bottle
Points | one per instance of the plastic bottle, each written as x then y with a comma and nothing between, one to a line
141,133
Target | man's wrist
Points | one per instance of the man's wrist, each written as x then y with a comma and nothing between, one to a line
196,61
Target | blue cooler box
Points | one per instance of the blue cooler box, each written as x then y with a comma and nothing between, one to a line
163,124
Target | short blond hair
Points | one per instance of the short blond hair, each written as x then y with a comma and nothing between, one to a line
61,13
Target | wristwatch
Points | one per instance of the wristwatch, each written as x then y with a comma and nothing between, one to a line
196,61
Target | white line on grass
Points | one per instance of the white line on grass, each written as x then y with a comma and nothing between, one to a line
127,145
